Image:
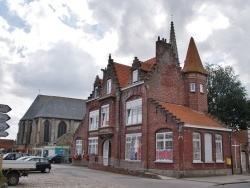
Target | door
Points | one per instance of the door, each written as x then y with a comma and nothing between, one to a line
105,156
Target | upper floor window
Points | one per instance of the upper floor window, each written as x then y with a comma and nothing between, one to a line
135,76
93,145
108,86
192,87
105,115
196,147
164,146
133,147
134,112
218,144
93,120
78,147
201,88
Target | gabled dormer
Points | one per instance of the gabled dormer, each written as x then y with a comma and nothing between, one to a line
97,87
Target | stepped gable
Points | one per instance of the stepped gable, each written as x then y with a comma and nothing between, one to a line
189,116
193,62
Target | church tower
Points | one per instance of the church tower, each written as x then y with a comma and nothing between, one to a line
195,79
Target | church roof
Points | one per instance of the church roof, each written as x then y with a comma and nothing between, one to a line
56,107
190,117
193,62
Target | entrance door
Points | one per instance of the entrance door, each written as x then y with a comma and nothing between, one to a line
105,156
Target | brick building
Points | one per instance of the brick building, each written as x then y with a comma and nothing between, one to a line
6,145
151,116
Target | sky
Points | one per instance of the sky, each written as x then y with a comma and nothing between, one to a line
57,47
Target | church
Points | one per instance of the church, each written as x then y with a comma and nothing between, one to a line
152,117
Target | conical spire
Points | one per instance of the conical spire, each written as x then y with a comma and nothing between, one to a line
193,61
172,40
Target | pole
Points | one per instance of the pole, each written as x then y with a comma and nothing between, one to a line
232,168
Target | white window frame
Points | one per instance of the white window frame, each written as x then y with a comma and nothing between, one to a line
219,148
196,147
201,88
93,120
192,87
108,86
133,147
135,76
105,115
134,112
164,147
208,147
78,149
93,146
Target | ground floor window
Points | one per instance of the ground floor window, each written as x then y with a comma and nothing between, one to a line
133,147
93,146
218,143
164,146
78,147
196,147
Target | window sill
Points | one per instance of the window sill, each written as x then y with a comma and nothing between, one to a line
163,161
220,161
197,162
133,161
207,162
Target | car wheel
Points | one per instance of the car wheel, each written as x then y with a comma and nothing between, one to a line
46,170
13,179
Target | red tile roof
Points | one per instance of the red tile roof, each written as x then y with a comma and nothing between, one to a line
123,73
147,65
190,117
242,136
193,61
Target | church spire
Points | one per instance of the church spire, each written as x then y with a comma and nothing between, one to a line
172,40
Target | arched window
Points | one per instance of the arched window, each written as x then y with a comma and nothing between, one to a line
47,130
29,132
196,147
62,128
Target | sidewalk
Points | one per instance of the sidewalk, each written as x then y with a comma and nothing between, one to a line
220,180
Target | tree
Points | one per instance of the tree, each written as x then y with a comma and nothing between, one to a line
227,98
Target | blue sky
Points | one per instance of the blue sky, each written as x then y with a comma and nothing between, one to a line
58,47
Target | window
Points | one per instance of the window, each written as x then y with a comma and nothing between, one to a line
47,131
96,94
201,88
62,129
93,145
135,76
196,147
105,115
78,147
164,146
133,147
93,120
134,112
192,87
218,143
108,86
208,148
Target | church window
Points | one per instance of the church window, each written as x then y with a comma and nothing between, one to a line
62,129
47,130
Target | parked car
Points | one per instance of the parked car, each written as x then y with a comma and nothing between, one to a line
14,155
42,164
24,157
57,158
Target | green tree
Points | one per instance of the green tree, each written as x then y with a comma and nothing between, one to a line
227,98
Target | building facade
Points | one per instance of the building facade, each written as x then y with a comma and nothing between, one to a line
50,120
151,116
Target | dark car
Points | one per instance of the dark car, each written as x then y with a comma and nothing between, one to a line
14,155
57,158
42,164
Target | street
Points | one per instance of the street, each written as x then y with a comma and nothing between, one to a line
68,176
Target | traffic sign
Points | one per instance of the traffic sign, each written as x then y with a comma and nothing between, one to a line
4,117
3,134
4,126
4,108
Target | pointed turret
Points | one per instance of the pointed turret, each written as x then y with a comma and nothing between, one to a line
193,61
172,40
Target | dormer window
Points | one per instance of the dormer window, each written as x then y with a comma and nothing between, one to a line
96,94
108,86
135,76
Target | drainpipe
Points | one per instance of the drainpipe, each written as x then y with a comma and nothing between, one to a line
119,97
232,168
240,159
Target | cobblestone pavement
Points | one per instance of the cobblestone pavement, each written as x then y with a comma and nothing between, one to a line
58,179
